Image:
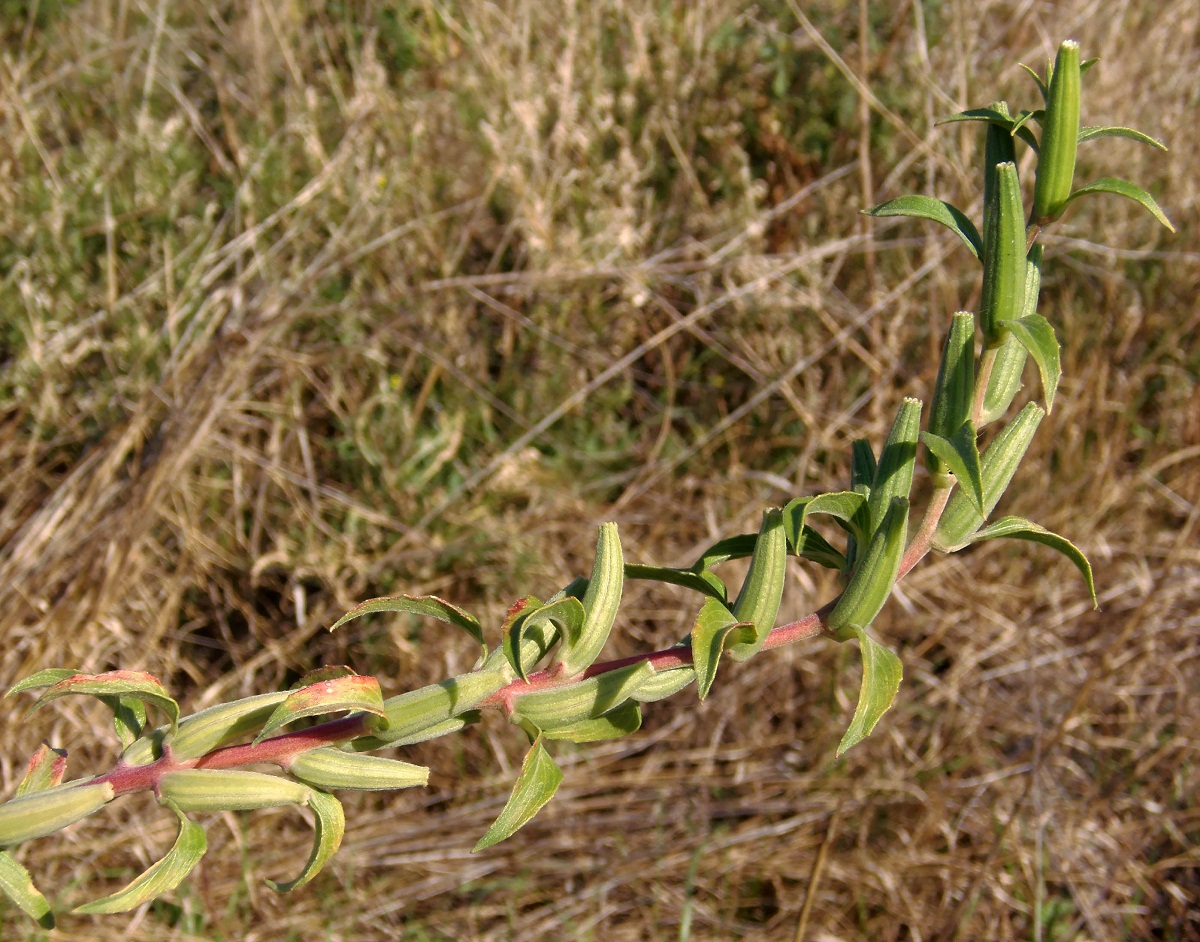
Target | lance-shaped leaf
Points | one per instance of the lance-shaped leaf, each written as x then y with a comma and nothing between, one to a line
1126,189
1036,335
17,885
565,615
45,770
715,629
882,673
585,700
1022,529
600,603
810,545
539,780
1038,79
190,845
329,825
897,461
43,812
516,651
625,719
846,507
1060,136
732,547
758,601
994,116
327,694
872,581
1004,381
129,718
954,390
43,678
1091,134
862,475
121,685
997,467
960,454
664,684
229,790
1004,264
428,605
704,582
329,768
926,207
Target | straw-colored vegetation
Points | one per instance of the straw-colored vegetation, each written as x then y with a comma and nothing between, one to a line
308,302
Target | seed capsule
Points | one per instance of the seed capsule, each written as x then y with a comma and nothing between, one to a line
229,790
44,812
1060,137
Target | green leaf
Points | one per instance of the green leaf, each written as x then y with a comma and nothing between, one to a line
207,730
815,548
535,786
732,547
1036,335
882,673
43,678
954,391
45,770
897,461
17,885
162,877
427,605
926,207
129,718
521,654
625,719
566,615
994,116
706,583
1037,78
1126,189
1090,134
961,455
875,575
349,692
1022,529
133,685
715,629
329,825
844,506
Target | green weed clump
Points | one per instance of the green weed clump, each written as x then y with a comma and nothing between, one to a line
542,669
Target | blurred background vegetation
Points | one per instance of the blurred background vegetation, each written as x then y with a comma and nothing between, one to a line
304,302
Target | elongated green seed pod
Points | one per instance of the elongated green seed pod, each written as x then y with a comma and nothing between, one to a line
1004,382
998,148
51,809
600,602
204,731
897,461
758,601
1060,137
329,768
954,390
585,700
872,581
997,466
229,790
1003,256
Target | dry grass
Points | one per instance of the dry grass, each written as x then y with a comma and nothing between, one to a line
309,302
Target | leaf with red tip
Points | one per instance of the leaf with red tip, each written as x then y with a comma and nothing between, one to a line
45,770
118,686
355,692
428,605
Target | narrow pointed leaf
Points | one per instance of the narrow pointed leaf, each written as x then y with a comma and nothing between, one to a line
162,877
17,885
706,583
329,826
129,718
354,692
43,678
862,465
715,629
513,635
844,506
601,602
566,616
732,547
136,685
45,770
625,719
1022,529
954,390
961,455
1004,382
882,673
539,780
1037,78
1090,134
815,548
428,605
207,730
1129,191
1037,336
926,207
758,601
992,116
